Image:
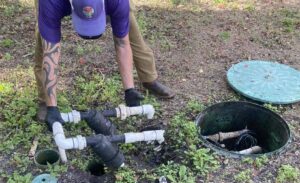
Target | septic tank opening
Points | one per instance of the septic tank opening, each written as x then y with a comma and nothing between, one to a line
239,129
96,168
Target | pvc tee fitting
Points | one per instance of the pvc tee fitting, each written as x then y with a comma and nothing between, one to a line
64,143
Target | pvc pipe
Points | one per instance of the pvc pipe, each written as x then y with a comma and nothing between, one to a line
123,112
157,135
72,117
252,150
64,143
220,137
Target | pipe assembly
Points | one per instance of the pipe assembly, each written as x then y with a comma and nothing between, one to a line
244,141
106,138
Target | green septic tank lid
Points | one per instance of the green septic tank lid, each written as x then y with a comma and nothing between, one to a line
44,178
265,81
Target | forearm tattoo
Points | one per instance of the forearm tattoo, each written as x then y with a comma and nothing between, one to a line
50,68
119,42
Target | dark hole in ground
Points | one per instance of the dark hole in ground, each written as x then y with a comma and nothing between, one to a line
267,129
155,153
47,157
96,168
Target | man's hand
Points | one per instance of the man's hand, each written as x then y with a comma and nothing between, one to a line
133,97
53,115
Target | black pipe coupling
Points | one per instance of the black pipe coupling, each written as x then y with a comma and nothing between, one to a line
108,152
97,122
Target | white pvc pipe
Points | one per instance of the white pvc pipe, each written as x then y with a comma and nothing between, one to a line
123,112
252,150
64,143
72,117
157,135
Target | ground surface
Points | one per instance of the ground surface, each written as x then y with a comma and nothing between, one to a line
195,43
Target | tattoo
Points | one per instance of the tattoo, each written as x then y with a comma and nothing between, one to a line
50,68
119,42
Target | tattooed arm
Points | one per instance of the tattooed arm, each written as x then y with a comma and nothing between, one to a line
124,57
50,69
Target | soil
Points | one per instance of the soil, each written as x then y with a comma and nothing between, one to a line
193,61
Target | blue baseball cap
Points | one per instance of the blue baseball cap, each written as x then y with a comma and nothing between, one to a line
88,17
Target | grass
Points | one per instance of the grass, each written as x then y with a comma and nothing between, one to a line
7,57
7,43
224,35
125,175
243,176
176,173
288,173
182,132
202,160
142,22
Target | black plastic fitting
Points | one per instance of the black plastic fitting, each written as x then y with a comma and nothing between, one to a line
108,152
109,113
98,122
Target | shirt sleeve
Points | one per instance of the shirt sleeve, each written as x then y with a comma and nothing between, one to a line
120,19
49,19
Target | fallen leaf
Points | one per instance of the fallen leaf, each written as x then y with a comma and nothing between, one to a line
82,61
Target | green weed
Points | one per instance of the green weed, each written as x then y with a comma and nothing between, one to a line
250,7
110,92
17,178
220,1
81,163
290,20
273,108
80,50
96,89
176,173
261,161
224,35
243,176
6,88
248,160
195,107
182,132
10,10
63,102
177,2
7,43
142,23
258,162
56,170
20,161
289,24
127,148
150,99
125,175
202,160
287,173
7,57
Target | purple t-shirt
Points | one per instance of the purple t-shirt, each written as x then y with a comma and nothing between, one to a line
51,13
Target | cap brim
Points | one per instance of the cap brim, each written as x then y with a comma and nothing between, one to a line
87,27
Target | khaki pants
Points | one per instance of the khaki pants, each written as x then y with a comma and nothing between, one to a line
143,57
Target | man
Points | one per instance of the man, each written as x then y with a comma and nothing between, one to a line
89,21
